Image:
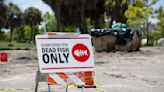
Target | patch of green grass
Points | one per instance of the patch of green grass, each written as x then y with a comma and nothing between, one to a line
15,45
154,46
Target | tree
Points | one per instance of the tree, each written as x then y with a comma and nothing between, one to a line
116,9
49,22
55,5
3,17
51,26
160,17
32,17
48,17
3,14
75,12
139,14
135,15
14,18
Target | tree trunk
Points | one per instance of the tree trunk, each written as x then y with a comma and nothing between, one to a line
147,30
111,22
31,35
96,23
83,18
84,25
20,34
57,14
11,34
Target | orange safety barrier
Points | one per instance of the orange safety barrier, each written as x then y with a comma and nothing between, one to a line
85,77
51,81
88,76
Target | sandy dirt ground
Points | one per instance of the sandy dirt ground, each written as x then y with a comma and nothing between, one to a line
141,71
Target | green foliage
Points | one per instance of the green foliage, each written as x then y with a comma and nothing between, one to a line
19,34
13,8
116,9
14,18
159,33
160,17
67,28
88,21
32,16
22,33
27,30
154,37
51,22
2,36
7,36
35,32
18,22
15,35
48,17
137,15
51,26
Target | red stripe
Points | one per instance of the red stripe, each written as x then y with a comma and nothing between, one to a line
66,38
64,68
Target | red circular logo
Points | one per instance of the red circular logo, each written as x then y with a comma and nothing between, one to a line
80,52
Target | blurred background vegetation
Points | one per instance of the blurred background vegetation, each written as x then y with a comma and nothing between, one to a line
24,25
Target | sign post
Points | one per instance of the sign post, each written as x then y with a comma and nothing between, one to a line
65,53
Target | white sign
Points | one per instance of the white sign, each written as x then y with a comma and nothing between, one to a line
64,53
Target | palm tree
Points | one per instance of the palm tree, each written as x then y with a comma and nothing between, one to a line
32,17
14,17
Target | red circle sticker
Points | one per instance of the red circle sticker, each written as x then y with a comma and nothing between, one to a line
80,52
